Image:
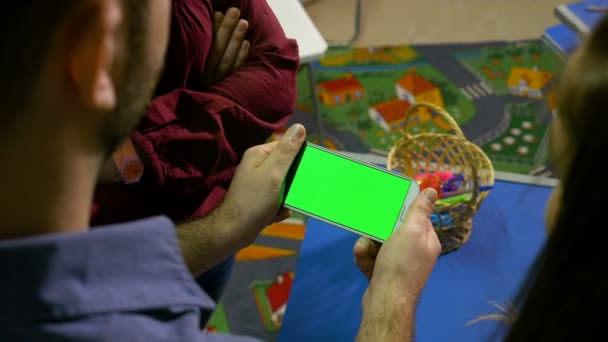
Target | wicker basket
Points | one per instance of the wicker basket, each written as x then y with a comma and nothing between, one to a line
446,149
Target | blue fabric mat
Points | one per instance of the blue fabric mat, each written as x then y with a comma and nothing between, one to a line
325,305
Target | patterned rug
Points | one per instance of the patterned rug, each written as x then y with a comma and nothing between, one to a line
257,292
500,93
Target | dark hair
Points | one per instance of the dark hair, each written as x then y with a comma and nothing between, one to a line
566,291
27,32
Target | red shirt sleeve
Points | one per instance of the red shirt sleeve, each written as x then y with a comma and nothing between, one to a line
270,71
193,140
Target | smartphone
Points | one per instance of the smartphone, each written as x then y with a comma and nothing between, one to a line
360,197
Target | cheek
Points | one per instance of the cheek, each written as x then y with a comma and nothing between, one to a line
552,210
559,147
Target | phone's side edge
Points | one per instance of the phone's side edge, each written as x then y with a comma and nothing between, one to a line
334,224
374,166
411,195
291,173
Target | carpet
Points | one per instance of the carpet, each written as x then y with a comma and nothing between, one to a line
500,93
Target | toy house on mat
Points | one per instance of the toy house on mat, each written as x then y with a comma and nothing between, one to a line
415,88
373,55
277,294
340,91
390,115
528,82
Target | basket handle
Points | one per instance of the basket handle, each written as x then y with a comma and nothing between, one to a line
449,120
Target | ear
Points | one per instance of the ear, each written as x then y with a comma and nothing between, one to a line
95,41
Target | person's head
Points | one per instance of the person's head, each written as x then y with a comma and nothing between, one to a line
582,95
76,78
87,64
566,287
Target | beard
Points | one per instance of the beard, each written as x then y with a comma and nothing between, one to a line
136,86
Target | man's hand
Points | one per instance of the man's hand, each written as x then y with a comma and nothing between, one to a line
410,253
254,196
252,202
229,49
398,271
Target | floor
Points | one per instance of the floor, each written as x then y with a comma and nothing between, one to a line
433,21
268,265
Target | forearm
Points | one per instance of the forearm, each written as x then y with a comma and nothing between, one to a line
387,317
266,83
207,241
269,95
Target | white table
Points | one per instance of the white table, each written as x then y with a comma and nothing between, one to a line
297,25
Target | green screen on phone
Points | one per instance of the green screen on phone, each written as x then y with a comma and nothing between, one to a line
349,193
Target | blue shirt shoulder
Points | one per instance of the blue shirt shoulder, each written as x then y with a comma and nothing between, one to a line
125,282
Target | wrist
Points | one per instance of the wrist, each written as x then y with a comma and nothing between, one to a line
241,219
388,315
228,219
387,298
205,241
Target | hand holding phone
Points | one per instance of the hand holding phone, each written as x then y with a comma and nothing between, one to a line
399,268
253,199
348,193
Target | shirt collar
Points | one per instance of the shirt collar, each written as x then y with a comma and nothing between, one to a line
132,266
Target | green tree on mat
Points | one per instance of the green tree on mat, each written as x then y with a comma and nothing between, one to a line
535,50
323,77
450,96
376,96
364,124
357,109
493,54
515,52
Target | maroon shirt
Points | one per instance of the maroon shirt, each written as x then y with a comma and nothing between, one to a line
193,138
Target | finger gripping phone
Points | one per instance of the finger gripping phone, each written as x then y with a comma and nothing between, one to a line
347,193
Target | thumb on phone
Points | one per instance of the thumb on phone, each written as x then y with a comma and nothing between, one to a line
286,149
420,210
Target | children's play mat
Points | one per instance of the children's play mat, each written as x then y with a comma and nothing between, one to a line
501,94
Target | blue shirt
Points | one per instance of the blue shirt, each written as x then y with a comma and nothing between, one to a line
125,282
